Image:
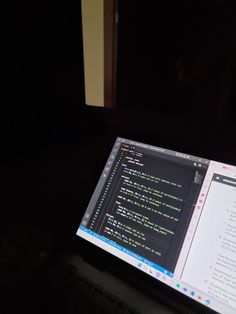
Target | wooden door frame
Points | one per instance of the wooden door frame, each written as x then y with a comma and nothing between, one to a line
110,52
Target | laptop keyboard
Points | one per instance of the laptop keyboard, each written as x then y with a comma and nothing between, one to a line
108,293
96,300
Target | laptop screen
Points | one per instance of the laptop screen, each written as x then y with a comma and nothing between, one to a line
172,215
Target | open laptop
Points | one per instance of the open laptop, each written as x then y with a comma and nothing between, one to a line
172,217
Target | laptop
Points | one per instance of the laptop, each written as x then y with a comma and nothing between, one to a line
159,233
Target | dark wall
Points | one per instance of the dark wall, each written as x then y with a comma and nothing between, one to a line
42,74
42,60
175,55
